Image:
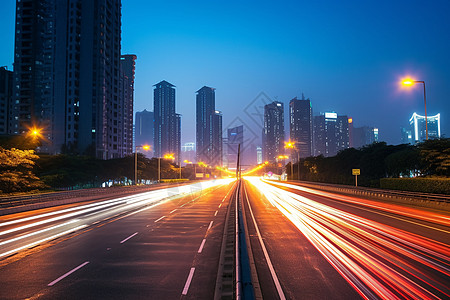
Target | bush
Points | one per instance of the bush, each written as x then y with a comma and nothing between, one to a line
426,185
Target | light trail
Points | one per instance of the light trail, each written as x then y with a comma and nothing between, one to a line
378,260
27,232
387,207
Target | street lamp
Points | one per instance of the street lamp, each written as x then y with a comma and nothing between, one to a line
290,145
171,157
410,82
144,147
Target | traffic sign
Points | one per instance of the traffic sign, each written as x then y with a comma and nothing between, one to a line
356,171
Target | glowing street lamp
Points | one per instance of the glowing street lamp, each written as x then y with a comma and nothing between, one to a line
145,148
410,82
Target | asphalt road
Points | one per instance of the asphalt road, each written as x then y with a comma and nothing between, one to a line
165,244
328,246
158,245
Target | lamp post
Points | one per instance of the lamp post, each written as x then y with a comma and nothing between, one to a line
171,157
283,157
144,147
410,82
290,145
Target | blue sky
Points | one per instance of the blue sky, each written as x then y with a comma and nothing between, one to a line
346,56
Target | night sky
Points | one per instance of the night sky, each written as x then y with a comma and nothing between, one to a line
346,56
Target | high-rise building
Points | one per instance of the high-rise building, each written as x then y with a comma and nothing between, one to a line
33,67
331,134
67,76
406,136
259,156
127,68
167,123
6,79
273,131
208,128
365,135
300,120
418,127
188,152
143,130
215,158
235,138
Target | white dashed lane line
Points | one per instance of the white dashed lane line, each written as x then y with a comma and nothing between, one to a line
128,237
160,219
67,274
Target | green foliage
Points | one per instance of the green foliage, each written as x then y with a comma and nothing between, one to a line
426,185
435,155
378,160
72,171
16,171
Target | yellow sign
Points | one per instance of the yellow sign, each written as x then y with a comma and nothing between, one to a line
356,171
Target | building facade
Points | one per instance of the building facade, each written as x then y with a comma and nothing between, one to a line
273,131
6,86
331,134
167,123
418,128
127,69
235,137
143,130
301,125
208,128
362,136
33,67
67,76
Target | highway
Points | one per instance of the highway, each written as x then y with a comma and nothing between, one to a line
322,245
167,244
162,244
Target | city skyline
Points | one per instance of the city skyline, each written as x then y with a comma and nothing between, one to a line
333,79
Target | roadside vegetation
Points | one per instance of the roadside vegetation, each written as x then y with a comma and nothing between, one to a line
400,167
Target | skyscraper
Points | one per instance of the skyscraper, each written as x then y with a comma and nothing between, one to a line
364,136
235,138
127,68
33,65
6,78
300,120
331,134
143,129
273,131
167,123
418,128
208,128
67,76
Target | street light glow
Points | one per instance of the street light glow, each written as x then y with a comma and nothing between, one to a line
169,156
35,132
289,145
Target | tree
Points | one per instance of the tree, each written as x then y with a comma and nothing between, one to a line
435,154
16,171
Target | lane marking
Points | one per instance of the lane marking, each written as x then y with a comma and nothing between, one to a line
67,274
188,282
128,237
220,205
210,225
201,246
43,240
266,254
215,214
173,210
160,219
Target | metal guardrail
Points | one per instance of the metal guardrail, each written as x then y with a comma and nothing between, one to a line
379,193
14,201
